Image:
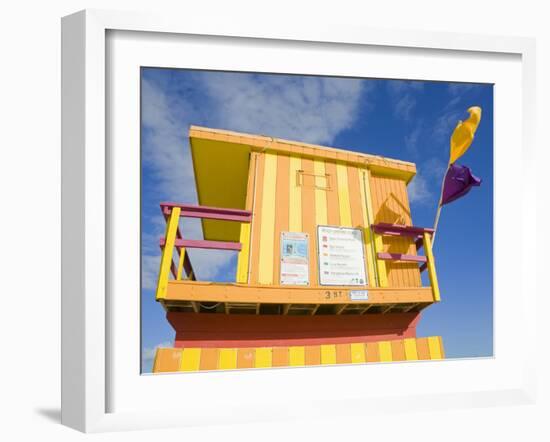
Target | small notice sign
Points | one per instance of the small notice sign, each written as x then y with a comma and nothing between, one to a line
359,295
341,256
294,258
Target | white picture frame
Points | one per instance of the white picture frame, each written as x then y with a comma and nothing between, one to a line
87,319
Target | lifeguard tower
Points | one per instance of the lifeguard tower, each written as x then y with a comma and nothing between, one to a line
329,263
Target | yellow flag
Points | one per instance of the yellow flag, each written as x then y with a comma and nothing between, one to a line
464,132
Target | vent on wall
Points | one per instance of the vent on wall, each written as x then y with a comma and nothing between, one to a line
308,179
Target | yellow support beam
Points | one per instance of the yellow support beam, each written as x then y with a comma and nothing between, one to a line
431,266
411,353
328,354
267,223
378,242
242,263
264,357
228,359
384,348
190,359
358,353
434,344
367,233
294,196
343,194
166,258
320,192
297,356
180,263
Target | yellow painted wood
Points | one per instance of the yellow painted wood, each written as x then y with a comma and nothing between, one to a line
167,253
435,348
410,349
190,359
244,254
320,192
343,194
264,357
221,174
267,229
180,263
296,356
431,266
228,358
384,348
378,243
328,354
367,232
294,196
358,353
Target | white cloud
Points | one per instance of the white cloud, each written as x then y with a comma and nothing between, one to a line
418,191
166,147
458,89
402,94
404,107
309,109
445,124
411,140
402,86
435,168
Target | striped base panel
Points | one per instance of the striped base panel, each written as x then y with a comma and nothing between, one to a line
168,360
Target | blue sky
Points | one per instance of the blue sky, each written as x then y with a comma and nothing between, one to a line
408,120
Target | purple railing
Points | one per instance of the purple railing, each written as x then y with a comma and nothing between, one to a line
203,212
409,231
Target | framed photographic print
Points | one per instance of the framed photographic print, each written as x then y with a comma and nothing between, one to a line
265,220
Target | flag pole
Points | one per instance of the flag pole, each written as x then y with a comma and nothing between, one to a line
438,213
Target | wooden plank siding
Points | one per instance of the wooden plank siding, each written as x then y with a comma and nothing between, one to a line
203,359
390,204
297,194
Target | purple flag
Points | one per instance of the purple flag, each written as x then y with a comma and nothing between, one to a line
458,182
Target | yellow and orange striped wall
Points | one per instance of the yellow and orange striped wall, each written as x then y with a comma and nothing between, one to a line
169,360
296,194
294,187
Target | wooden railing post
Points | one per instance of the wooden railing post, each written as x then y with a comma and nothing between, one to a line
180,263
167,252
431,266
242,265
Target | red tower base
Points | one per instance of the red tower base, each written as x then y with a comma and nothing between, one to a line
219,330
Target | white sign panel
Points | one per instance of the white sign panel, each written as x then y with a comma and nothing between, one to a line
341,256
294,258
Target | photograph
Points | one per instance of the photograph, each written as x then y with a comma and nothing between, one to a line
304,220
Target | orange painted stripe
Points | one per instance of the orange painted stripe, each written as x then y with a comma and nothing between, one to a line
245,358
343,353
398,350
313,355
280,357
422,348
333,206
257,221
308,221
209,359
170,359
167,360
281,212
373,354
